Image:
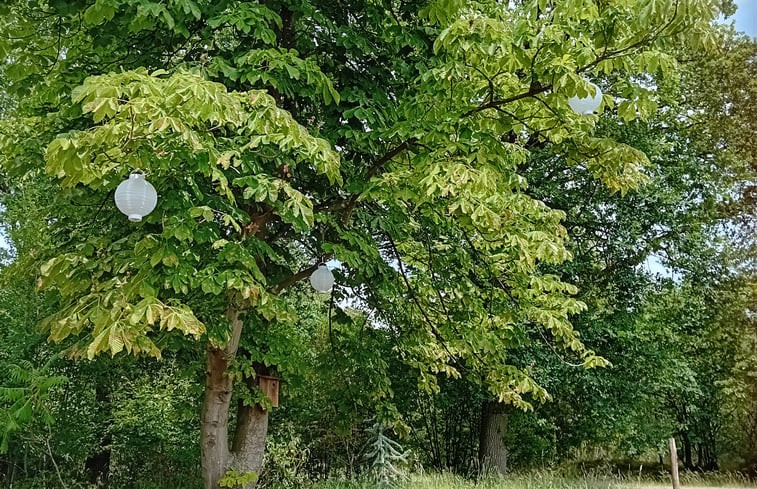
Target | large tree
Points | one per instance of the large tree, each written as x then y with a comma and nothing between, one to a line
390,136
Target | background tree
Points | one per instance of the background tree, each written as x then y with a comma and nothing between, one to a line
691,228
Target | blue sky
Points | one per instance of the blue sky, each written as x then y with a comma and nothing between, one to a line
746,17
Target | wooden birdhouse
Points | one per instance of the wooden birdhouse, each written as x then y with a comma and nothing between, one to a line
270,387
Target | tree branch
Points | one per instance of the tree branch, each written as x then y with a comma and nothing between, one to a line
534,90
417,303
352,202
294,278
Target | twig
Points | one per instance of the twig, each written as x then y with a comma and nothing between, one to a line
52,458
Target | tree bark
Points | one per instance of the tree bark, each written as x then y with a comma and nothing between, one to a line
214,429
248,447
214,432
492,451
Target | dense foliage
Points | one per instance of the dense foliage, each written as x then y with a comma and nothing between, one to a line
491,246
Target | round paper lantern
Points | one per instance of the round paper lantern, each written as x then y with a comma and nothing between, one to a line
136,197
586,105
322,279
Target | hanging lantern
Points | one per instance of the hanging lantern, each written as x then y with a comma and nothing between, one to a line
586,105
136,197
322,279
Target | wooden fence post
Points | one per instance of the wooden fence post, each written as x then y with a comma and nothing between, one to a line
674,463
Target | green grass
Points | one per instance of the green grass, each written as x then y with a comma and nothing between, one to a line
546,480
445,481
543,479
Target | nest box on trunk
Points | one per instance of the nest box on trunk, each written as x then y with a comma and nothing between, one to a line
270,387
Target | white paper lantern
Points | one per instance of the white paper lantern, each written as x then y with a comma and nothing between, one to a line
136,197
586,105
322,279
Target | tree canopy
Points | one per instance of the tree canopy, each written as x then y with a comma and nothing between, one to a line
427,147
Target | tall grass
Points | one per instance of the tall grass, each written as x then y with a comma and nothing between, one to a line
573,478
548,480
446,481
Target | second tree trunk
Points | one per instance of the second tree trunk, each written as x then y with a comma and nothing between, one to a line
492,450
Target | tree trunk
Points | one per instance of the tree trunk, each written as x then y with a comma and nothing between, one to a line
248,446
699,449
687,462
492,451
249,438
214,431
97,465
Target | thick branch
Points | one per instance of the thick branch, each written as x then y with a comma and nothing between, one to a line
293,279
372,172
534,90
